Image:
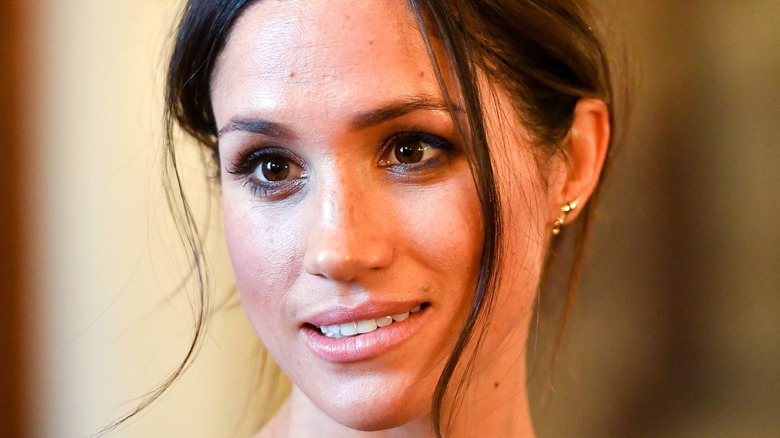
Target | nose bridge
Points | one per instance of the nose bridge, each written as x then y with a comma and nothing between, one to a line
340,201
347,232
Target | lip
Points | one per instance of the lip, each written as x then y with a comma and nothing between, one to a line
364,346
363,311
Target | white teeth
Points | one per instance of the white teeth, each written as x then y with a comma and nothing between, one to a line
331,331
400,317
349,328
384,321
366,326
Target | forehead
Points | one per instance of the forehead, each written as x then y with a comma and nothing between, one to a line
282,53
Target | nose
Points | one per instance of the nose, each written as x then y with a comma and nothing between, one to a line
348,231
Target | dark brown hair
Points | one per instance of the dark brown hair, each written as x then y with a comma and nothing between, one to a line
547,54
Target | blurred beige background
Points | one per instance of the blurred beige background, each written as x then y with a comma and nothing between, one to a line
676,330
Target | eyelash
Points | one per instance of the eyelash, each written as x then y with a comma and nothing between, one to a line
248,162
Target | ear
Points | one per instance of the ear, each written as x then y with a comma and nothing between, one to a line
585,151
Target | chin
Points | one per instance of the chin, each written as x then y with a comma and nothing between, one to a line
374,419
377,410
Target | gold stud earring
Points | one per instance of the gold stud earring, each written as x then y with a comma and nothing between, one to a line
560,220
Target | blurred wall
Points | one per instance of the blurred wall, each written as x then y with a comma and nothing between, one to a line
676,330
12,103
106,320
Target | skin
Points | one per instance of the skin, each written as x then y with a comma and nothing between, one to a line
350,225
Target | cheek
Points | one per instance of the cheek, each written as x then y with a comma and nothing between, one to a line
524,245
265,252
525,203
440,230
444,231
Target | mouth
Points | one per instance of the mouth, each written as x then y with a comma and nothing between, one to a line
354,328
337,339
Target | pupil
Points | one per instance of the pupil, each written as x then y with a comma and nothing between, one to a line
408,154
276,170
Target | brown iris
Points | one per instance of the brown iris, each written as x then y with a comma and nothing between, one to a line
410,153
276,169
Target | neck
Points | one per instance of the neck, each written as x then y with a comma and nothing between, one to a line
495,403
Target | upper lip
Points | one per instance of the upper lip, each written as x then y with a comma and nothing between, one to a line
341,314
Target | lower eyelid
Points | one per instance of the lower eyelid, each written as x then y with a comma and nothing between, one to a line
281,189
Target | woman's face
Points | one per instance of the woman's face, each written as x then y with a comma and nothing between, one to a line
348,199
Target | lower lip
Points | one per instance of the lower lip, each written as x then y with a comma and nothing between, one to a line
366,345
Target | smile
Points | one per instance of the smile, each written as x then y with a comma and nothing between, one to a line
355,328
367,335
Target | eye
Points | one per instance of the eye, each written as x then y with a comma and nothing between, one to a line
271,173
411,148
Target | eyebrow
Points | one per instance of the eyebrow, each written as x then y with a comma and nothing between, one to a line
397,109
361,120
257,126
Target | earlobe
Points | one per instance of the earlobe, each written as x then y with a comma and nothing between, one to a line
565,210
585,150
